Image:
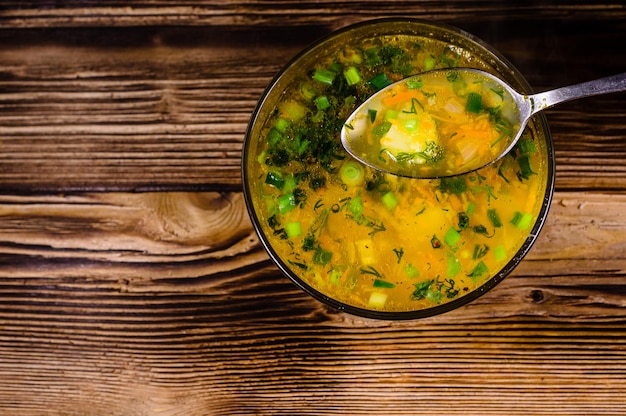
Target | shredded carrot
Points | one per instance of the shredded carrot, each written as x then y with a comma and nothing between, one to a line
456,203
400,97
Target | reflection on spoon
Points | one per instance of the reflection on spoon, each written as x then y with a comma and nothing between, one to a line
450,122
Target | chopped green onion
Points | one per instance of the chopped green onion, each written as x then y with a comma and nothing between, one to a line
290,184
479,270
352,173
282,124
299,144
494,218
335,276
410,125
378,283
286,203
452,237
471,207
429,63
336,67
275,180
261,157
325,76
526,169
380,130
322,102
527,146
390,200
516,218
524,221
435,242
414,84
499,253
307,91
271,207
474,103
273,136
411,271
293,229
453,266
380,81
391,114
321,256
372,113
355,206
352,75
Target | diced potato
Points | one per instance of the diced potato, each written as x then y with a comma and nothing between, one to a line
399,139
366,251
292,110
377,300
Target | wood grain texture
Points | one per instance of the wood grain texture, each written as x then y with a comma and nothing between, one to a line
123,105
233,13
163,302
159,303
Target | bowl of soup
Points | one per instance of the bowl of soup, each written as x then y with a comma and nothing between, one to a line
374,244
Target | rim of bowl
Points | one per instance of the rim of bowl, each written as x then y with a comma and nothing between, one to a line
540,123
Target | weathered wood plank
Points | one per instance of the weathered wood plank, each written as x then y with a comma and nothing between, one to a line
308,13
167,108
136,119
149,301
88,347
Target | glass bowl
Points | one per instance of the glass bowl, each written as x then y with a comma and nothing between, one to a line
374,245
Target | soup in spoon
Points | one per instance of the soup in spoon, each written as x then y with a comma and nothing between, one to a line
434,124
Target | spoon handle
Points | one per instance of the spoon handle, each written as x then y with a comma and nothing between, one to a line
543,100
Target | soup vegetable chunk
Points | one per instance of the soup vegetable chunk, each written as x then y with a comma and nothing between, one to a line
377,241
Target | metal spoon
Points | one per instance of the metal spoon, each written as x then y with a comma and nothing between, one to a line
414,158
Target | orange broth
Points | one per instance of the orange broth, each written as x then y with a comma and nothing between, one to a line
378,241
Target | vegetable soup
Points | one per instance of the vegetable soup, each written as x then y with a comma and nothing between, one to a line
433,124
375,241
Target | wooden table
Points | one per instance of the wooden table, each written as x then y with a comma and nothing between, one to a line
132,282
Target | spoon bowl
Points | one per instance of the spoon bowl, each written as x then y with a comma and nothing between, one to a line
449,122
